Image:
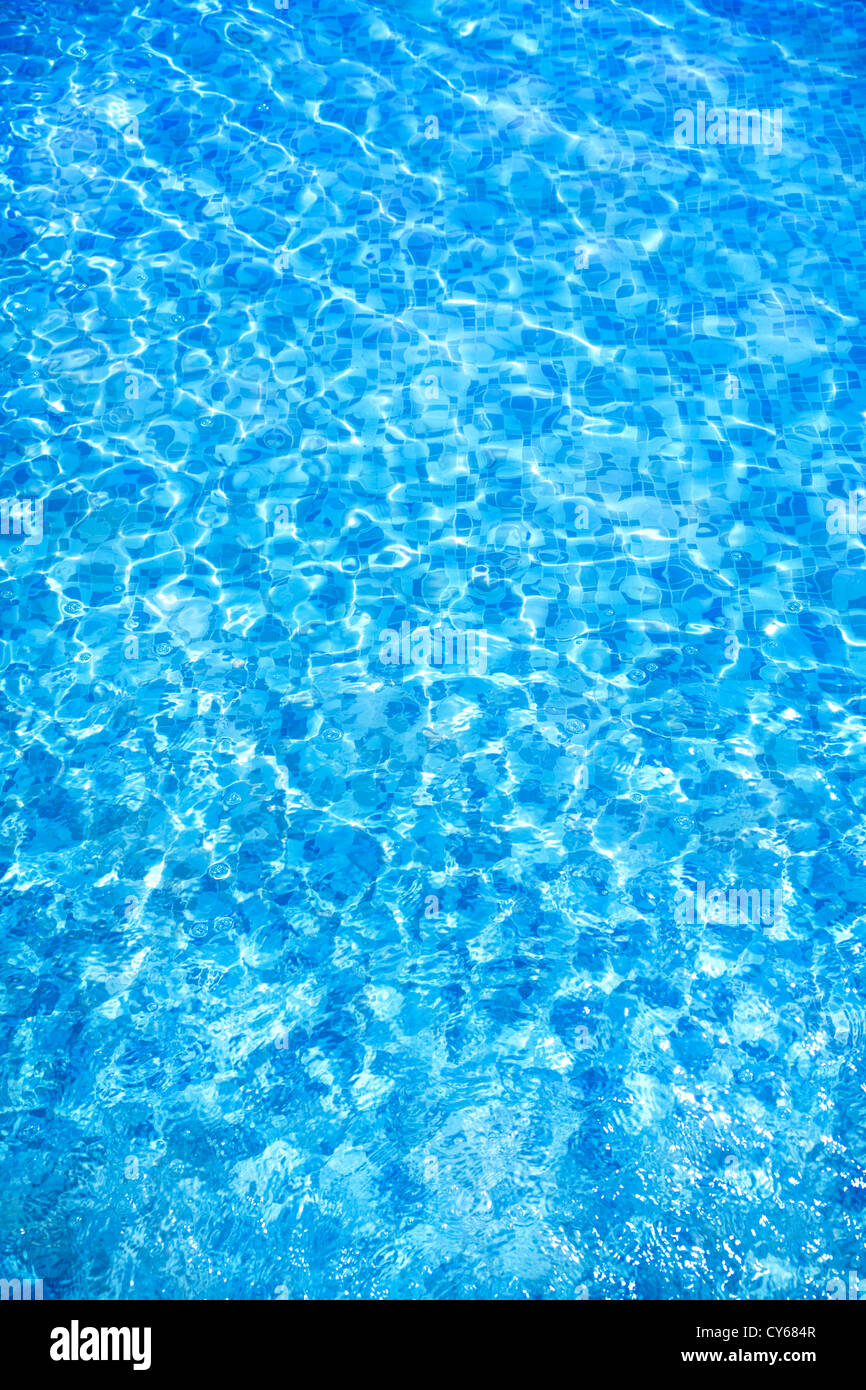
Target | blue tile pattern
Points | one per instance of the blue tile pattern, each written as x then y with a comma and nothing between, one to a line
431,606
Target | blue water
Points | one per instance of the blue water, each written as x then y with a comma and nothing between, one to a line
327,973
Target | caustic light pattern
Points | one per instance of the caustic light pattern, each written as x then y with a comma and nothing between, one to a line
432,630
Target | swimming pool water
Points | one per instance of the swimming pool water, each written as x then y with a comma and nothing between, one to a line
433,622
